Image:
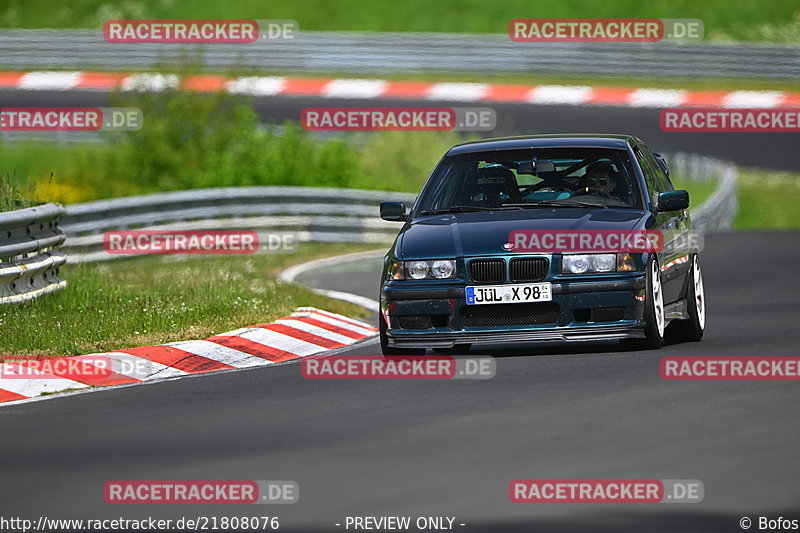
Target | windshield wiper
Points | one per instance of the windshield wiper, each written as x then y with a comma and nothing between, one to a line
560,203
457,209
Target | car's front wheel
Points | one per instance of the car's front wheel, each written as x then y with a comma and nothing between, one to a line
692,329
654,317
386,349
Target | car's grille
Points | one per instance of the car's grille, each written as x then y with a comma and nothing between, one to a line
529,268
509,314
487,270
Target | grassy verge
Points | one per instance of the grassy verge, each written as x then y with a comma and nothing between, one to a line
158,299
699,191
12,197
768,200
722,20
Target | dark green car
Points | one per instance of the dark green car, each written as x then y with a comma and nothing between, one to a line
542,238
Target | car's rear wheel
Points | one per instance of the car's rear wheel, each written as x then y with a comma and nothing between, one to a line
387,350
654,317
692,329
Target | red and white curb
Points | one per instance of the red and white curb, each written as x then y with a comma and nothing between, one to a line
383,89
307,331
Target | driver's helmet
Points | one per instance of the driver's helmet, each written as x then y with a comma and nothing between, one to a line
599,178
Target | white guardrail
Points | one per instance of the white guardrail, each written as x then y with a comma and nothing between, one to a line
314,214
29,260
309,213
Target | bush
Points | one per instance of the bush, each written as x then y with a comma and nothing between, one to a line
215,140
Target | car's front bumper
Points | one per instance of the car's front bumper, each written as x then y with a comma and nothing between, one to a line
587,310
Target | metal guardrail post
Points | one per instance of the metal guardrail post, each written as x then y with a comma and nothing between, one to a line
29,259
312,213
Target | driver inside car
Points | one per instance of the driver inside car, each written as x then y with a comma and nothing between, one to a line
599,180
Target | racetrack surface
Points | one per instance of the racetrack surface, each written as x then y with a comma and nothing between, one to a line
759,150
450,448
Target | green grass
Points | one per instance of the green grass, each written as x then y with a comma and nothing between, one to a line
33,171
11,196
699,191
176,149
776,20
768,200
158,299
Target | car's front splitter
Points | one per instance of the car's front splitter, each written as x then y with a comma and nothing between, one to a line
632,330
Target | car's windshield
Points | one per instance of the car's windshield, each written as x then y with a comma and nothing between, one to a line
532,178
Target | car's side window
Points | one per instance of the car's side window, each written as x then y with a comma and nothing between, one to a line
650,176
662,180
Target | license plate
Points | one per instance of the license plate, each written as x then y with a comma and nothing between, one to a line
507,294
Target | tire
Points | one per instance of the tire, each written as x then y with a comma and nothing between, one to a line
386,350
655,319
692,329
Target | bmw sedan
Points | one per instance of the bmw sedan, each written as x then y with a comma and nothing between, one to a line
542,238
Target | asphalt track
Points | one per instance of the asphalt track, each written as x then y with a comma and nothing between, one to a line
759,150
450,448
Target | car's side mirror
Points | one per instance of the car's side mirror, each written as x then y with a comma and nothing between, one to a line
673,201
393,211
663,163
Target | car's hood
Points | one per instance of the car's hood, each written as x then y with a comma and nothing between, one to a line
484,233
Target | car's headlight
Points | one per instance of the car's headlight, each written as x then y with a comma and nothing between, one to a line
443,269
417,269
437,269
588,263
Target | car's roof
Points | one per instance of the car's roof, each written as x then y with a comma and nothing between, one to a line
587,140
